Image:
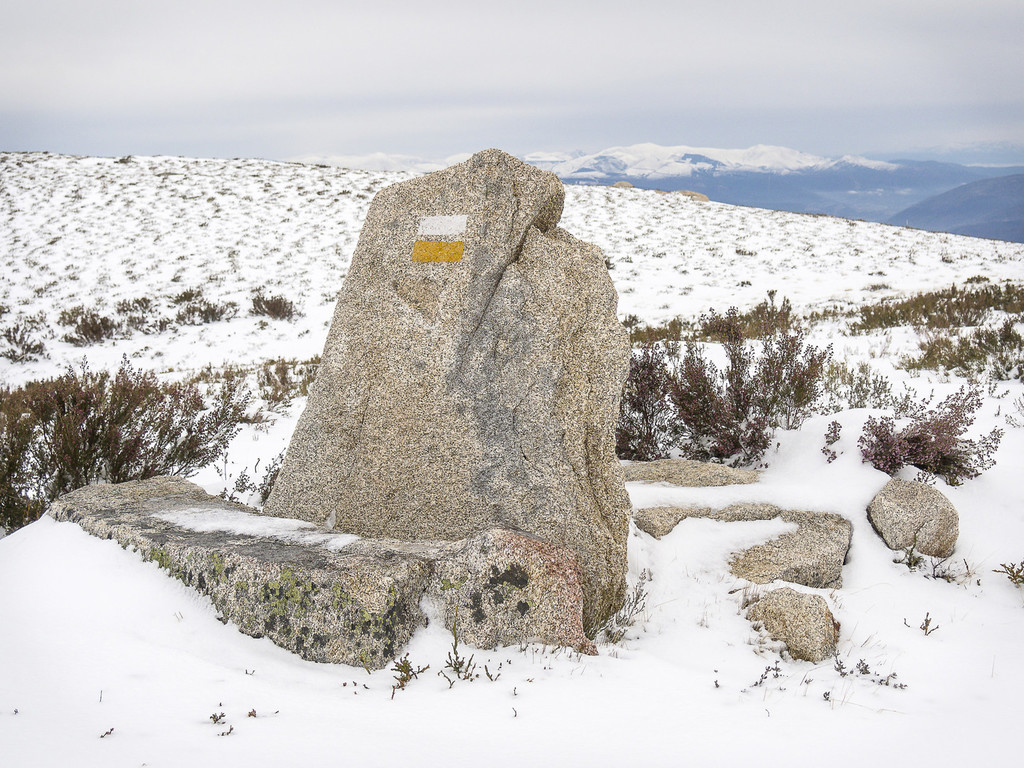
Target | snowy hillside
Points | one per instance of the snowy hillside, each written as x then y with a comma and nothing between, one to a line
90,232
106,661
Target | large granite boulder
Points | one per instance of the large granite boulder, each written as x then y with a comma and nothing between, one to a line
906,513
471,378
802,622
331,597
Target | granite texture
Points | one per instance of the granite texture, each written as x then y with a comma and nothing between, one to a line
802,622
906,513
687,473
456,397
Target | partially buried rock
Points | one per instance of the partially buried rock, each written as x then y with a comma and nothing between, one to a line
906,513
687,473
471,378
812,555
327,597
802,622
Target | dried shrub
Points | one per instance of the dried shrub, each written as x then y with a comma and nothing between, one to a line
140,314
20,342
731,415
951,307
274,307
88,326
667,333
998,351
933,441
280,381
647,426
85,427
197,310
862,387
763,321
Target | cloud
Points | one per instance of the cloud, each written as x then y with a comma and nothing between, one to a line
319,76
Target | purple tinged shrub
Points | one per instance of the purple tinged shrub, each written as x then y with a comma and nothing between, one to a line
646,428
933,441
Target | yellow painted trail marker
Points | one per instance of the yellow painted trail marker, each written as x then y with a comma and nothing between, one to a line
440,239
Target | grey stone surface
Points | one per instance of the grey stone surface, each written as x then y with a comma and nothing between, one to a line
803,622
459,396
686,472
356,605
906,513
813,555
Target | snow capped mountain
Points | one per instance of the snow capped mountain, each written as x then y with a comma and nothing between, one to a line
653,161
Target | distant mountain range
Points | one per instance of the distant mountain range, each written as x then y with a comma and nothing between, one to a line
786,179
992,208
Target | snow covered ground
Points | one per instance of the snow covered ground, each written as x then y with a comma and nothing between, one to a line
106,661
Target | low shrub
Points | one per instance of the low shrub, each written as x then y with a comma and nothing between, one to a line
951,307
274,307
647,427
933,440
197,310
280,381
85,427
140,314
763,321
20,343
731,415
998,351
88,326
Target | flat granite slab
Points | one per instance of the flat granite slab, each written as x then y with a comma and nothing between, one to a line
333,597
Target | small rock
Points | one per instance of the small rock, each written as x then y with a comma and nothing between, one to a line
906,513
623,185
803,622
687,473
699,196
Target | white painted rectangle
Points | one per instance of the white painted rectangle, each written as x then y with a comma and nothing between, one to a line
442,226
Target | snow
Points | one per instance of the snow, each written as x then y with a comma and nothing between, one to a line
94,639
653,161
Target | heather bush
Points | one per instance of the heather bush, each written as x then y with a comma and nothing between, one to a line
20,343
87,427
140,314
933,440
951,307
668,332
279,381
998,351
647,427
731,415
88,326
195,309
763,321
274,307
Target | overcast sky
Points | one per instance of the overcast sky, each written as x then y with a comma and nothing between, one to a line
328,77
